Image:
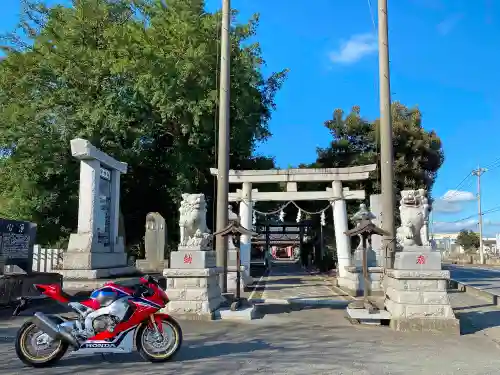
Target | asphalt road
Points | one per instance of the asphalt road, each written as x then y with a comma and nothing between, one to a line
286,342
486,279
290,341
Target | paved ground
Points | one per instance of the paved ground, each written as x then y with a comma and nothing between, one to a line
287,281
487,279
292,341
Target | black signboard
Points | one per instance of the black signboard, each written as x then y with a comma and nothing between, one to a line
17,239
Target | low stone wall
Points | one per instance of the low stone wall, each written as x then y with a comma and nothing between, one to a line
13,286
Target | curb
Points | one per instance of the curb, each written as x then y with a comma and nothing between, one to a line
474,291
301,301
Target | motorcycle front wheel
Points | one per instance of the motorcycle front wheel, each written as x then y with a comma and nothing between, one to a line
154,348
35,348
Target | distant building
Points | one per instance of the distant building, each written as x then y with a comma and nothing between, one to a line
447,242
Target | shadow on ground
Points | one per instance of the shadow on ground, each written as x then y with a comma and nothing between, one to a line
196,350
276,309
476,321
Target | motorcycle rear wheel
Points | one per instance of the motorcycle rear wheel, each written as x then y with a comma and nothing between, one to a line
172,337
34,360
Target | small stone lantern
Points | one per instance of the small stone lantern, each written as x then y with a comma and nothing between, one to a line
234,230
365,229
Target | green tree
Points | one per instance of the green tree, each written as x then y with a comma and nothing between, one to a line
137,78
418,153
468,239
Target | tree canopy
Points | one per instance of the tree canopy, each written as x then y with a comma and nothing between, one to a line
138,79
468,239
418,152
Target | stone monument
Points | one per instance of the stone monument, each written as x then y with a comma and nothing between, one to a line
416,289
17,239
192,279
17,278
96,250
155,240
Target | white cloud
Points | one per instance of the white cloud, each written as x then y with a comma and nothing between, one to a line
353,50
446,227
452,200
448,24
458,196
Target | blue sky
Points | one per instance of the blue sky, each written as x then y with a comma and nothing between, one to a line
444,58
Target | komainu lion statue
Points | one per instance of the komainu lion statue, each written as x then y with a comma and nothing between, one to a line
193,221
414,208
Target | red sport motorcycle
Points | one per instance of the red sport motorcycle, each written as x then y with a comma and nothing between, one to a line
112,320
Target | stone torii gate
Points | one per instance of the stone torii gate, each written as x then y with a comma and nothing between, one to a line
336,195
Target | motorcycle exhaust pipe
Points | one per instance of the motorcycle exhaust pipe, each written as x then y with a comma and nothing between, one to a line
48,326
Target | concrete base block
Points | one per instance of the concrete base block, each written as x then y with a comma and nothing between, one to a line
451,326
363,316
245,313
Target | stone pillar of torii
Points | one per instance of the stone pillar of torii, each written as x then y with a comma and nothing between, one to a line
337,195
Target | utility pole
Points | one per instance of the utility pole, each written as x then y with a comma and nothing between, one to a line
478,172
386,148
221,245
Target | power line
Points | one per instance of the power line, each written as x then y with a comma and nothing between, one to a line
370,8
490,211
494,164
456,191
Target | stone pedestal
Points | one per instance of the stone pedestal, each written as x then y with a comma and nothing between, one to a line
418,300
417,258
86,258
353,281
371,257
192,284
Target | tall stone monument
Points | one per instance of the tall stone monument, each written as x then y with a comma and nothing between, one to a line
155,240
96,250
192,283
416,289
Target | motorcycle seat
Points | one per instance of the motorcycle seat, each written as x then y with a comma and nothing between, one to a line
78,297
